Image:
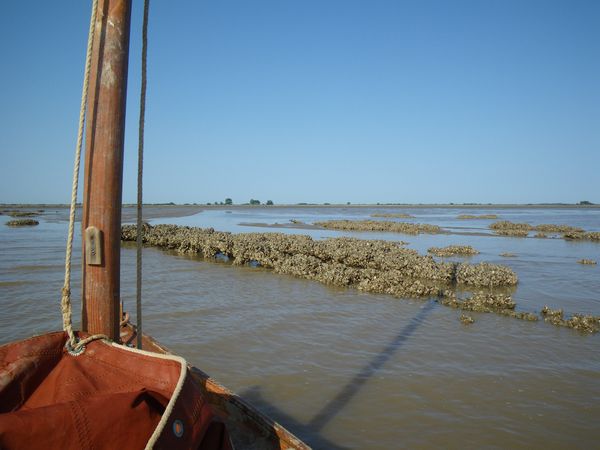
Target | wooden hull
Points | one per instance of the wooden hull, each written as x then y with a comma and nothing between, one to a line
248,428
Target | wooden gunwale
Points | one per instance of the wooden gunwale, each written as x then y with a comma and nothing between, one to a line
248,427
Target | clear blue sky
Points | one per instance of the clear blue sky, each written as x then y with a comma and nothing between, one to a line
321,101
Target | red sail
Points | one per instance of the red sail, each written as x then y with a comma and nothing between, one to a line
110,396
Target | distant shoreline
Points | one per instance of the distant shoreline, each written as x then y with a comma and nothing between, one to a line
199,207
164,211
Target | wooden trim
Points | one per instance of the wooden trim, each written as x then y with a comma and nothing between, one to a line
244,422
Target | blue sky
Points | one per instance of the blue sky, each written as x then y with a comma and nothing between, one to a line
320,101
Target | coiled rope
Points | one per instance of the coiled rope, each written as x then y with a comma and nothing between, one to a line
65,302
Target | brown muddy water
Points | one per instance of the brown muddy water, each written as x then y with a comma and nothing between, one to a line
347,369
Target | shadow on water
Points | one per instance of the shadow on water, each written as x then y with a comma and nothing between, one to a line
304,432
310,432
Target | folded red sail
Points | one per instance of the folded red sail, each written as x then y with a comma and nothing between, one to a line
108,397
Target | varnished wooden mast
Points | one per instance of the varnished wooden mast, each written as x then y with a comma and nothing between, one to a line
105,135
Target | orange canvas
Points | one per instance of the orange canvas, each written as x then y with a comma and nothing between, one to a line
110,396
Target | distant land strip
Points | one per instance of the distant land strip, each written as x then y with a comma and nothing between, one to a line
388,206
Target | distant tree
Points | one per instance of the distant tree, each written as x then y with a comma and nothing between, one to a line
347,203
254,202
585,202
269,202
208,203
228,201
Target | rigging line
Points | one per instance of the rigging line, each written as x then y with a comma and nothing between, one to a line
65,303
139,234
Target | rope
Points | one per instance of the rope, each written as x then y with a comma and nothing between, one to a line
65,302
139,234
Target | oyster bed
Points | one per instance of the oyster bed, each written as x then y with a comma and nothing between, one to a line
586,324
488,302
394,215
453,250
480,216
507,228
377,225
23,213
369,265
375,266
22,223
465,319
590,262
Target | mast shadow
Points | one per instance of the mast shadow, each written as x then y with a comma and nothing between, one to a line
355,384
311,432
312,437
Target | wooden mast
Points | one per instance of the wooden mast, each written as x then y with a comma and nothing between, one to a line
105,135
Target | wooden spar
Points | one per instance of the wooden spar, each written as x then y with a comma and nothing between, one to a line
105,135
